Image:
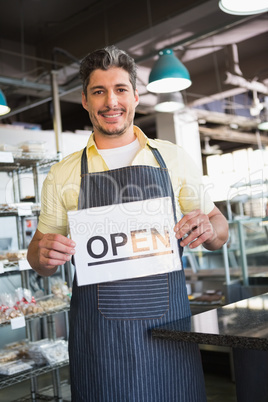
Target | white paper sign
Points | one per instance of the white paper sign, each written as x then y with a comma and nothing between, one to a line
25,209
18,322
124,241
24,265
6,157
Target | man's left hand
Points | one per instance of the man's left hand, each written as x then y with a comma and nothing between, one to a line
194,229
197,228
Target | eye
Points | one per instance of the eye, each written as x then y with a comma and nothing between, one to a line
122,90
99,92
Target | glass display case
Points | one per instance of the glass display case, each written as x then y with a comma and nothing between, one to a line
248,246
239,268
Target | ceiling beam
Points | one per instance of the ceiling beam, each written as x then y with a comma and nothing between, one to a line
226,119
216,97
241,82
228,135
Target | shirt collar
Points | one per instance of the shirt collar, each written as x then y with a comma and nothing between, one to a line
142,138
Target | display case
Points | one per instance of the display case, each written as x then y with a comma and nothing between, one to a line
249,248
239,269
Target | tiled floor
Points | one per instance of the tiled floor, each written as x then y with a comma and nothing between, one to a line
220,388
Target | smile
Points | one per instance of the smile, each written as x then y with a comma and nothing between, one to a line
112,115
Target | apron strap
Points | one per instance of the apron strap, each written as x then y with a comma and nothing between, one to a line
84,165
158,157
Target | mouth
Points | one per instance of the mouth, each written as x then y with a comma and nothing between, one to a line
111,114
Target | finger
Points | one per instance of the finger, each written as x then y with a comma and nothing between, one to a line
199,240
60,238
56,255
53,258
186,218
194,234
189,225
198,236
58,243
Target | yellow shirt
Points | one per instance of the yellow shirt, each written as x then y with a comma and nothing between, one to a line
61,187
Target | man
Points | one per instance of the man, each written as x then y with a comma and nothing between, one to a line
112,355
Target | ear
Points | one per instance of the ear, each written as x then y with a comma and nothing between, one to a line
137,99
84,101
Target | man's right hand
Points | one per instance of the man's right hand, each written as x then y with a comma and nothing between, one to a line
47,251
55,250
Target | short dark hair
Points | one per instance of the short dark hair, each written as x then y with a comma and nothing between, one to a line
104,59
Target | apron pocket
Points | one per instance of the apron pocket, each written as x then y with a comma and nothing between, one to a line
134,299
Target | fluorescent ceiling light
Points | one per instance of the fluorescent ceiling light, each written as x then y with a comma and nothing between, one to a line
169,102
243,7
263,125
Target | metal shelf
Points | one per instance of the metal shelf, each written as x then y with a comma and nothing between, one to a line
7,381
34,163
12,266
28,318
27,161
251,183
14,210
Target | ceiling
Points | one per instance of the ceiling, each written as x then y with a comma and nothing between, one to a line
38,36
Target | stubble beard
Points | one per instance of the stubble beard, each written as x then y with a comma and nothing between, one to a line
116,131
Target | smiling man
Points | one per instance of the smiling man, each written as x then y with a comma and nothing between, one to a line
111,102
113,357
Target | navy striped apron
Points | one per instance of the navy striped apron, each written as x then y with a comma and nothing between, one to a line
113,357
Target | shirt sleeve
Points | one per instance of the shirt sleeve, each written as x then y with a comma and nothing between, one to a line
53,215
193,194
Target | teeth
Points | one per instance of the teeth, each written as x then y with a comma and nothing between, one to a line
111,115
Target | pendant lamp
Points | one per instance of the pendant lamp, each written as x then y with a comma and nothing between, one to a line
168,74
263,125
169,102
4,109
243,7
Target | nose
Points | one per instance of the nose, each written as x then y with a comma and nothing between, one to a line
111,99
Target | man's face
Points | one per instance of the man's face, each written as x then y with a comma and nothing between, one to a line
110,102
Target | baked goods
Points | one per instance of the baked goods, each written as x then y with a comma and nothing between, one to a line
8,355
16,255
14,367
51,303
60,289
22,303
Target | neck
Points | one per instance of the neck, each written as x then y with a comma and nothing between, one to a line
113,141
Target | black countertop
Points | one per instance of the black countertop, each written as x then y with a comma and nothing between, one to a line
243,324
